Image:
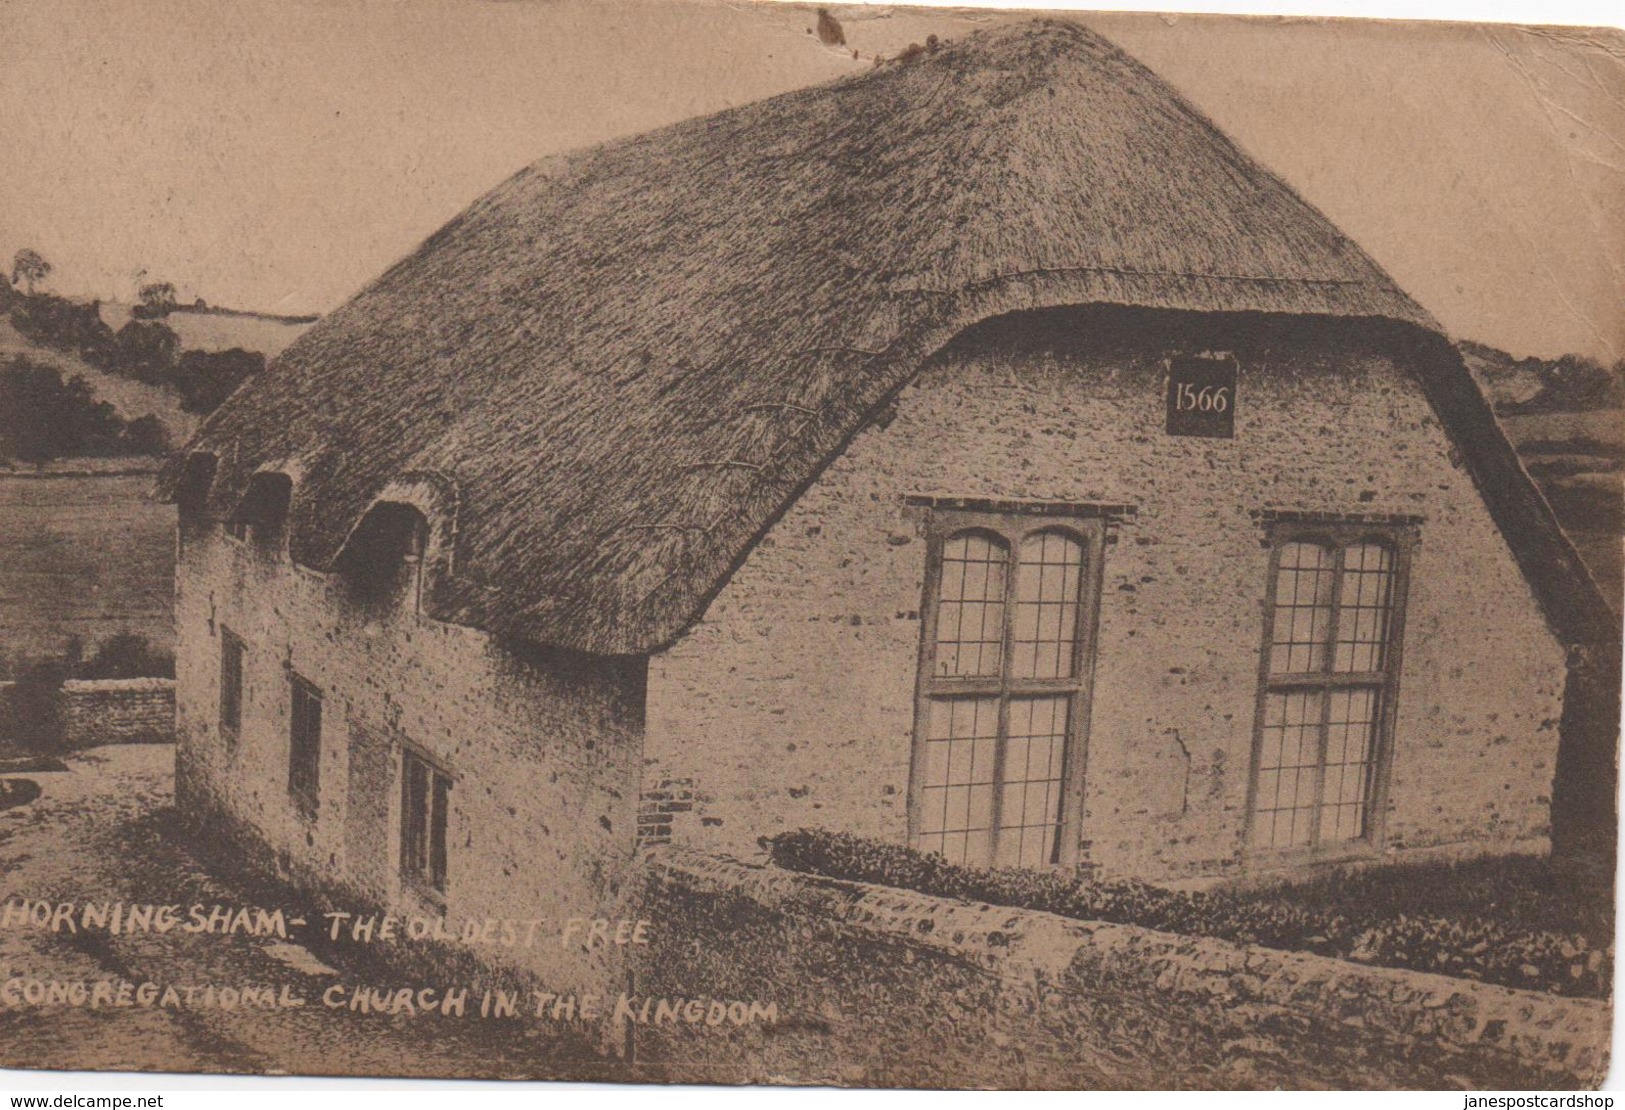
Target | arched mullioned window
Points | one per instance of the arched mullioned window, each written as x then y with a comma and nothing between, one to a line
1010,603
1329,678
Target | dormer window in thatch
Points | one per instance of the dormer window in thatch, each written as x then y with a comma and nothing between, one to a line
381,566
261,518
196,475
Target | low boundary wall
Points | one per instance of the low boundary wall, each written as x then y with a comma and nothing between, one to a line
117,711
884,987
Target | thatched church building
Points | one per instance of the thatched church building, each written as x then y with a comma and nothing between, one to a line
981,453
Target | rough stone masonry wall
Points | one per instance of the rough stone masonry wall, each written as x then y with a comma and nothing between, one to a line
117,711
792,702
542,750
883,987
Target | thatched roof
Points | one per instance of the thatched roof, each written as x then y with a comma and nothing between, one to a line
613,372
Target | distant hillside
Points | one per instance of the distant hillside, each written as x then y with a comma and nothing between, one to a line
86,554
132,399
1566,417
1570,383
218,329
177,363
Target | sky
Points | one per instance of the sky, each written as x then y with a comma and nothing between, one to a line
278,154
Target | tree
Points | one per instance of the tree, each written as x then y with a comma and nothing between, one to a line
29,267
146,435
145,350
158,297
62,325
125,655
42,417
1576,382
35,722
206,378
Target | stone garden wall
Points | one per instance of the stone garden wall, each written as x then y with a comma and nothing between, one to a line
877,986
117,711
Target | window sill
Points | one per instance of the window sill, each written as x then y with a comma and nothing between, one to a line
1284,862
424,893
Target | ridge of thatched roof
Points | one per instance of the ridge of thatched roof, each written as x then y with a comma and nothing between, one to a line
614,371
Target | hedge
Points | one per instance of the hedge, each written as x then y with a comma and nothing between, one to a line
1478,943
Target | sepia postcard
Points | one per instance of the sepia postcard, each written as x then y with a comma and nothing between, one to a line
664,541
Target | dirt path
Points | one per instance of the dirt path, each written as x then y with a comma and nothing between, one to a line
93,835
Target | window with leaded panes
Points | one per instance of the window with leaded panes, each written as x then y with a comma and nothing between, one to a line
1005,660
1329,678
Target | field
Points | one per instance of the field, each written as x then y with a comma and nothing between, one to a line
84,551
1577,458
219,330
131,398
84,555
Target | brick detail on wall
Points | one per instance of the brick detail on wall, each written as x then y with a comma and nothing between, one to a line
117,711
658,807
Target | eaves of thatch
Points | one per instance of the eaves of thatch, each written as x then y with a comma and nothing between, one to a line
608,377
